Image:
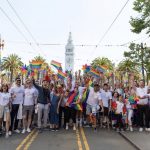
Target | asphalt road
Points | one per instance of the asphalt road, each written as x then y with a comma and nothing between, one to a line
82,139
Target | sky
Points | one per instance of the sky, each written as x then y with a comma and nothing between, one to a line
50,22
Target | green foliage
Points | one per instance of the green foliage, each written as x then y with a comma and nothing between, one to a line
102,62
142,22
12,63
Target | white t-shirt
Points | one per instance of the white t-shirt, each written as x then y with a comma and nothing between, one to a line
4,98
106,96
94,97
30,95
142,92
19,93
119,107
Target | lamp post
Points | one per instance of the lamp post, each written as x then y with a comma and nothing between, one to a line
1,48
142,59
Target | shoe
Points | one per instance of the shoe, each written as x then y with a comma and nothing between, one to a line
147,129
40,130
52,129
23,131
141,130
10,133
117,130
17,131
131,129
67,128
7,135
74,128
57,129
95,129
122,130
28,130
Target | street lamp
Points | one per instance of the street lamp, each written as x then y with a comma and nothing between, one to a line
1,48
142,59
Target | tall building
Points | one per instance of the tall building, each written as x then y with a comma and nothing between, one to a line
69,55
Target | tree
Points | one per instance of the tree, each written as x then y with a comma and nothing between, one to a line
140,55
39,58
12,63
102,62
142,21
126,67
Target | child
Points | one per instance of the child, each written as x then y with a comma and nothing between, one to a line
118,114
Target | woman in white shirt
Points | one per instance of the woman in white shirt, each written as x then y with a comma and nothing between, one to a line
5,107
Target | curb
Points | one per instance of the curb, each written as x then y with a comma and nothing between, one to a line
129,141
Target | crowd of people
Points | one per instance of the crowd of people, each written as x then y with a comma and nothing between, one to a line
71,103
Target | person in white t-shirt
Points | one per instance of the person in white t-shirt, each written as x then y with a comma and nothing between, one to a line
30,100
5,107
17,94
142,105
106,97
93,102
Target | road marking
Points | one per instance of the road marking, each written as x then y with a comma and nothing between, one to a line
30,141
25,140
84,139
78,140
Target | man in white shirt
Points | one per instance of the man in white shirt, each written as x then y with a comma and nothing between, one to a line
30,100
106,97
93,101
17,94
142,105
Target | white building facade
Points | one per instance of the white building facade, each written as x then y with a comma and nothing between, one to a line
69,55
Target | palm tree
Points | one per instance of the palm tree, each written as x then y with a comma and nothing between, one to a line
12,63
39,58
102,62
127,66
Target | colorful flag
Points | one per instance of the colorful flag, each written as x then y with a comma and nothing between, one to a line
86,68
100,69
94,73
56,64
61,74
35,64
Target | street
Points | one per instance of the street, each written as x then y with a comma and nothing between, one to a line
81,139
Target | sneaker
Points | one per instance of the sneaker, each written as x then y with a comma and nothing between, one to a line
67,128
57,129
17,131
28,130
40,130
148,129
131,129
52,129
10,133
7,135
141,130
95,129
23,131
74,128
117,130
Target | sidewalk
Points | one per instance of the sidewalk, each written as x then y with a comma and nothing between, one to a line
140,139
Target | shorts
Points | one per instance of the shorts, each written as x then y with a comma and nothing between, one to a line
106,111
91,109
4,110
28,109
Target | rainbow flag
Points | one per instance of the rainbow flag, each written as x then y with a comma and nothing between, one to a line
35,65
94,73
86,68
101,69
61,74
56,64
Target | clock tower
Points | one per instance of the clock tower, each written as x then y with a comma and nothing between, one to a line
69,55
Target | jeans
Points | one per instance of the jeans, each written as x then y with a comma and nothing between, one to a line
14,112
43,110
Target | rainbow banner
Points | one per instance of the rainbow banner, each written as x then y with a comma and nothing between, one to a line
94,73
100,69
35,64
61,74
56,64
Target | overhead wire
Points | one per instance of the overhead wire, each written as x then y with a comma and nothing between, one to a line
109,27
24,25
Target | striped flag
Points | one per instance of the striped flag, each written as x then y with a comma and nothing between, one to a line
56,64
94,73
61,74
